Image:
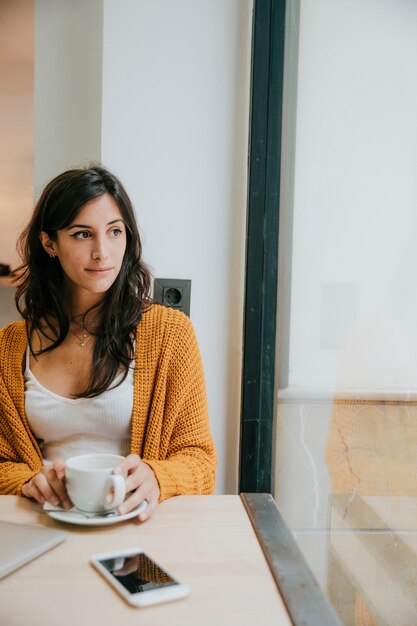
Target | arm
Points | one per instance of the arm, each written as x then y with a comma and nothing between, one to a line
21,465
13,476
177,451
14,472
190,465
18,459
187,459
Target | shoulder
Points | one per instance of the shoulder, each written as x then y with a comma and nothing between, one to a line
165,328
158,318
167,345
13,342
16,331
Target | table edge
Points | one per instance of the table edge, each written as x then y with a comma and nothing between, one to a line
304,600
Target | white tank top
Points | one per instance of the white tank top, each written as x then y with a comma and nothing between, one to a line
65,427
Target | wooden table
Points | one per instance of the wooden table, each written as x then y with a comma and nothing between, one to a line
207,542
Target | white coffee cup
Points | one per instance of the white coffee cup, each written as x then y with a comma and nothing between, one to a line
90,482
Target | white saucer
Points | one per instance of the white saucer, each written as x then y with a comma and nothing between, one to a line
74,516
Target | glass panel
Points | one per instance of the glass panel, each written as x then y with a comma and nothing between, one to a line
346,416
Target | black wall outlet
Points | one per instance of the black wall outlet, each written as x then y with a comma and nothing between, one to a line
173,292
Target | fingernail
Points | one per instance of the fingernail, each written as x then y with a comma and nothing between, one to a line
55,501
66,504
122,509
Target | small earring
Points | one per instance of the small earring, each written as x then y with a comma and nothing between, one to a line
52,256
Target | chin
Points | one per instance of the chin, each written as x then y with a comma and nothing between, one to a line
102,288
96,286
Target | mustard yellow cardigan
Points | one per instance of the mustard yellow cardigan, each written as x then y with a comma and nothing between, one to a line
170,426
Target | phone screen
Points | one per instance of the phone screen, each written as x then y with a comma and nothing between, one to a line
137,573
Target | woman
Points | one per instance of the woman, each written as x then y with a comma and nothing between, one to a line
95,366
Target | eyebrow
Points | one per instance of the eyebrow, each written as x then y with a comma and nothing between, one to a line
92,227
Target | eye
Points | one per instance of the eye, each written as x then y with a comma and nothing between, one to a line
82,234
115,232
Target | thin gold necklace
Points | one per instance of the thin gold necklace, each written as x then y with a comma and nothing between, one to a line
80,341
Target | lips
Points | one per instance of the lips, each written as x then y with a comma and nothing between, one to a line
99,270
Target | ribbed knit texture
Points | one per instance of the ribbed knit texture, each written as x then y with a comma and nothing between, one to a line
67,426
170,425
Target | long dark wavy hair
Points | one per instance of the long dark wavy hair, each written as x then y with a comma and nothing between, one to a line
40,296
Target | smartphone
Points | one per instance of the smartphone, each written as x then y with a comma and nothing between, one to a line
138,579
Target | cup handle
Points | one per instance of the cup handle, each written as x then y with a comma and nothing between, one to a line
118,484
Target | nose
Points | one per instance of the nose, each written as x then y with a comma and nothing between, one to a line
99,250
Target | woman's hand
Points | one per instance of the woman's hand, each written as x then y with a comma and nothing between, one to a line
48,486
140,480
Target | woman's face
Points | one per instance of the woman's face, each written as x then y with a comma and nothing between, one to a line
91,248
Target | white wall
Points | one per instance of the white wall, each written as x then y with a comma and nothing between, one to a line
174,126
68,72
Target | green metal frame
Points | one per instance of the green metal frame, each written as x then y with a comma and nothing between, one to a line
262,245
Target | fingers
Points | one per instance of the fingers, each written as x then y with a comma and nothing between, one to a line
39,489
41,482
56,482
129,464
133,500
141,481
133,469
30,490
136,499
48,486
59,467
149,511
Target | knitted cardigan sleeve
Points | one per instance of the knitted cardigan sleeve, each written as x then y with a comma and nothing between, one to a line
20,457
178,445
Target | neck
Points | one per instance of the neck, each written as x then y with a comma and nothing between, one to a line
87,322
79,310
79,300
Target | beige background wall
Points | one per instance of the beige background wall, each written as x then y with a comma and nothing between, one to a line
16,121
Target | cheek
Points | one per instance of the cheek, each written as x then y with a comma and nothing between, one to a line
119,253
72,261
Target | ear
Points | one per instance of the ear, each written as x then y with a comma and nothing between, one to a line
47,243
